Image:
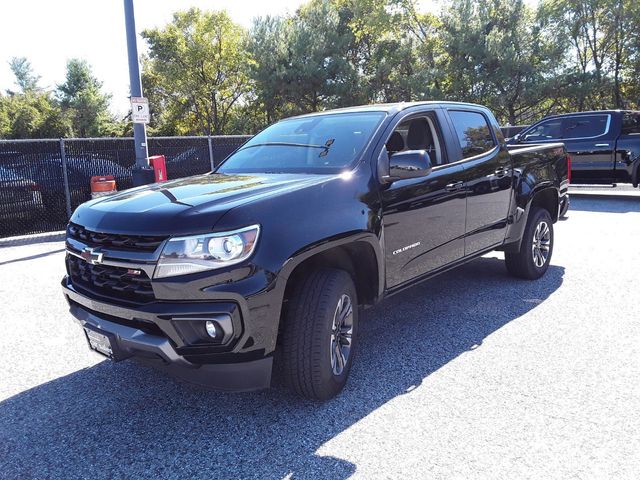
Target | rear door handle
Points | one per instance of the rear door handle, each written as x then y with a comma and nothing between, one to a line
501,172
452,187
602,144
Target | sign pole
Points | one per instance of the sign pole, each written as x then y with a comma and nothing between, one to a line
139,130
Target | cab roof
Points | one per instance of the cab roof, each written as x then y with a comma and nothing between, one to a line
387,107
590,112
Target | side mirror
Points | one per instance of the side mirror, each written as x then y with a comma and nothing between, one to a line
408,164
516,138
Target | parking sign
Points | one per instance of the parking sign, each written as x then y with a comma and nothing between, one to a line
140,110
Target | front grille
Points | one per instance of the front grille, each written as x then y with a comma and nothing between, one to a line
135,243
113,282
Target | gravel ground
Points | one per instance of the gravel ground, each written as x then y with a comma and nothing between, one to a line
471,375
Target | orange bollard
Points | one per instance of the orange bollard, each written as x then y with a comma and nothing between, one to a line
102,185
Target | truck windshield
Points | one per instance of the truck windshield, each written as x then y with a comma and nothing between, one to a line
317,144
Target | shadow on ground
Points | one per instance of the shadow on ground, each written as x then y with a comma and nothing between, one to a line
33,257
126,421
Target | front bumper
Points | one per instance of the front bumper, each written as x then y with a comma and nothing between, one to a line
152,335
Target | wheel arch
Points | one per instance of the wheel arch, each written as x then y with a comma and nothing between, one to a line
359,256
545,196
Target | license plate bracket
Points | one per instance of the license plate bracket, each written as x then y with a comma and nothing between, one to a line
103,343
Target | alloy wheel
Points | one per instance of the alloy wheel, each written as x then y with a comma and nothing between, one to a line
541,244
341,334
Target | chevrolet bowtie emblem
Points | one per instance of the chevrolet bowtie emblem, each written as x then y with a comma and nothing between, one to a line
89,255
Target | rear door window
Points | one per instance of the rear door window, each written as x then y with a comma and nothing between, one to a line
585,126
473,132
631,123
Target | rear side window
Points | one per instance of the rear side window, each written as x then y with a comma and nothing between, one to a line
585,126
473,132
631,124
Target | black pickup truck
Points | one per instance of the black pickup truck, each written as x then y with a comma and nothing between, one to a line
604,145
267,260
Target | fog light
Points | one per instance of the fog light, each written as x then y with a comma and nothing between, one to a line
211,328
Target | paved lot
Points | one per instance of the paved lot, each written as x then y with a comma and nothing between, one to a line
472,375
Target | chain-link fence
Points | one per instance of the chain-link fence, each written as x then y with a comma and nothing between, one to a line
43,181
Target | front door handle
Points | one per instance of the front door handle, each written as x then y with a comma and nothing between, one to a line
501,172
452,187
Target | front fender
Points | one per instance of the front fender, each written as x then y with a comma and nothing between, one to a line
369,238
300,224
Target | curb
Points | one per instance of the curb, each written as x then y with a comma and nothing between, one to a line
607,192
32,239
605,195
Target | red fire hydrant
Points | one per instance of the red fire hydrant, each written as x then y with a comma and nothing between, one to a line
158,163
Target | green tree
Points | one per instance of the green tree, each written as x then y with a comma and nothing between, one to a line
197,72
463,38
26,80
330,53
603,39
31,115
500,54
31,112
269,46
631,87
204,74
5,122
82,99
322,72
522,62
404,48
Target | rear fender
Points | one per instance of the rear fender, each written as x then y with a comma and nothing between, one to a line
545,195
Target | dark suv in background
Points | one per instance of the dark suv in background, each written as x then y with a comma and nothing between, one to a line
604,145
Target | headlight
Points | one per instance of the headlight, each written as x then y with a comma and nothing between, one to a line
183,255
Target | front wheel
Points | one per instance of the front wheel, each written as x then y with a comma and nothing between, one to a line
319,333
532,261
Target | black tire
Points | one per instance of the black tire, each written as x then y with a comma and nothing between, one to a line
309,367
527,262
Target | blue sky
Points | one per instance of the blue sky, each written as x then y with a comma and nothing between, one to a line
49,32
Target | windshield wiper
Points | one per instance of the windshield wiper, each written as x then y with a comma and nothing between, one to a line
325,147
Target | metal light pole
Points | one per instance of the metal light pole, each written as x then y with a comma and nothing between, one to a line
142,173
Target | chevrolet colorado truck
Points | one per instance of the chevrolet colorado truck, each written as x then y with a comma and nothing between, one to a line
267,260
604,145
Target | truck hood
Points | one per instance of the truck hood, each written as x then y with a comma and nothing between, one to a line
187,205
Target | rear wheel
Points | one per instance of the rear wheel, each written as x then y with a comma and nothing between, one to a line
532,261
319,334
